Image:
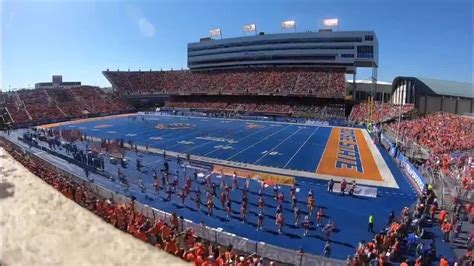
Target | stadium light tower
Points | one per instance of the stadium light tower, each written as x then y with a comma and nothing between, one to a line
331,23
215,32
250,28
288,24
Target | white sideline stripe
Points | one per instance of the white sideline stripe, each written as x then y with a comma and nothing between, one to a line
281,142
304,143
382,166
267,137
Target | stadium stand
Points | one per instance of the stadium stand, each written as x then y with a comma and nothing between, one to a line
440,132
327,83
53,104
329,111
382,112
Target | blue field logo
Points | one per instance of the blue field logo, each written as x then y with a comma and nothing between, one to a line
175,126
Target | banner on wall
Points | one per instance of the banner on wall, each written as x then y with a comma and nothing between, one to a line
412,173
266,177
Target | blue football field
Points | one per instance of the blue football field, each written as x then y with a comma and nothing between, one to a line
279,145
282,145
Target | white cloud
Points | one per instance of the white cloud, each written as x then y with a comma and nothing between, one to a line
145,27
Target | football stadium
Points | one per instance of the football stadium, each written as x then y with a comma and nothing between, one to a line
266,150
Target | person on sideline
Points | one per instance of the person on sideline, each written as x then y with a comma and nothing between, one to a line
371,223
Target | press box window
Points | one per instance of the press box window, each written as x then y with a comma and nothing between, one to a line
369,37
347,56
365,51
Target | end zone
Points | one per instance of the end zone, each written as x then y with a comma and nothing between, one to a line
351,153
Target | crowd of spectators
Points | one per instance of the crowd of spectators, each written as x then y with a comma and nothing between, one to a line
168,235
457,169
380,113
333,111
405,236
329,83
441,133
41,104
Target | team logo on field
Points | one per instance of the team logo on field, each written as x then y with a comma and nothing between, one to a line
253,125
231,141
156,138
175,126
224,147
130,135
272,153
103,126
186,142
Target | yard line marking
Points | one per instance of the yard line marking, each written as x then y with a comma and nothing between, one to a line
192,136
210,141
281,142
235,154
304,143
261,130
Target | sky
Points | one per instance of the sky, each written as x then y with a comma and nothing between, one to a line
80,38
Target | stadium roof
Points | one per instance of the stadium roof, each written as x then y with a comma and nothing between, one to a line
441,87
365,81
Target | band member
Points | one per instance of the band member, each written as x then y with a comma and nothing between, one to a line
224,199
293,190
294,201
281,198
320,216
260,221
169,191
311,204
243,212
235,181
210,207
175,184
280,221
247,184
182,196
275,191
229,208
306,224
297,214
261,203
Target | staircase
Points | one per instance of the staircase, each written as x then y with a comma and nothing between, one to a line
21,103
51,100
6,117
83,102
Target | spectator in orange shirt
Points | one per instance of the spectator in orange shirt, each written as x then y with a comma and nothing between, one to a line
443,262
447,227
442,216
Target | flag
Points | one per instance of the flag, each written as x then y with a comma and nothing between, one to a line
331,22
289,24
250,28
215,32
